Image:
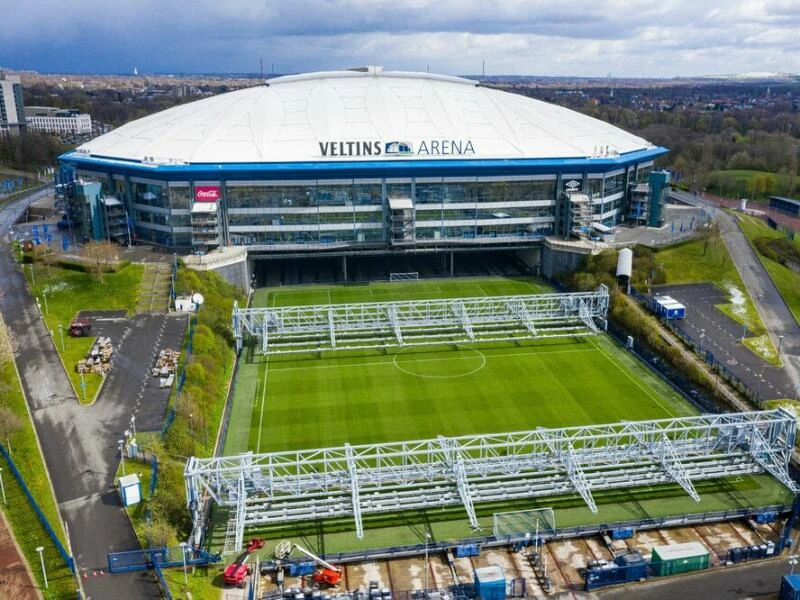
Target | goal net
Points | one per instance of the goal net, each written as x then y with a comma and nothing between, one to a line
403,276
522,522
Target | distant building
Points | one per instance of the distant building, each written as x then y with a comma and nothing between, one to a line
787,206
12,109
58,121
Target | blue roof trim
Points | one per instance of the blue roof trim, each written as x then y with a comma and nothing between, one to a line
363,169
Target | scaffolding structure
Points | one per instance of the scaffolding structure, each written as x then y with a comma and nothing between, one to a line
355,481
319,328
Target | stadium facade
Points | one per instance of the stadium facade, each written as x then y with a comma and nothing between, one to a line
362,161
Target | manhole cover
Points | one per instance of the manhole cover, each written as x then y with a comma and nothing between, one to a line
733,361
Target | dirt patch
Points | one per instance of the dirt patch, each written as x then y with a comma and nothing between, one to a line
15,579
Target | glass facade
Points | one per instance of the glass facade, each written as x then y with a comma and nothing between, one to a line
373,212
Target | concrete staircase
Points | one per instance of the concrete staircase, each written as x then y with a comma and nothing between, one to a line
154,290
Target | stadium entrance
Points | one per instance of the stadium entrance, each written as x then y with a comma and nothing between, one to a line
273,272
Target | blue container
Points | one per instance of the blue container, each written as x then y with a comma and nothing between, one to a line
467,550
490,583
790,587
621,533
765,517
302,568
633,565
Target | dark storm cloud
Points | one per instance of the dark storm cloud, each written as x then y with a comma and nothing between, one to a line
633,37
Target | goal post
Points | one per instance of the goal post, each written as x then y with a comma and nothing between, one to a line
525,522
404,276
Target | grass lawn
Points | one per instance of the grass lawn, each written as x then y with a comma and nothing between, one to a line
737,183
786,280
687,263
422,393
27,529
69,292
284,403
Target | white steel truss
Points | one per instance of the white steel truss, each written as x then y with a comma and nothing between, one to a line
318,328
355,481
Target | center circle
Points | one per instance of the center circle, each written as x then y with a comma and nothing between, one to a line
438,366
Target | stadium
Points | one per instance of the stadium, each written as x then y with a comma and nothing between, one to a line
362,163
414,401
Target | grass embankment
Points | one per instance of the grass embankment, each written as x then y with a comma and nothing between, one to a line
693,262
763,239
27,528
68,292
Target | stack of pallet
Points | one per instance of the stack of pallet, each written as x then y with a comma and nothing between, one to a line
98,360
165,367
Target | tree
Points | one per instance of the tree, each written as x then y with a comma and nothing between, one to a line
8,343
9,423
101,256
709,234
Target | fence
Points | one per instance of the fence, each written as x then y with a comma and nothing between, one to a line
181,379
68,560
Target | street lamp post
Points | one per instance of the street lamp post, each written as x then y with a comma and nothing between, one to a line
40,550
133,424
33,278
792,560
3,487
702,335
61,333
183,554
780,343
46,310
122,454
744,331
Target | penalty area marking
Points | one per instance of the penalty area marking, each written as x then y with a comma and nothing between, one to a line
456,376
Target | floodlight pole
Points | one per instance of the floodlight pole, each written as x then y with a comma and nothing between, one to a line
122,454
40,549
183,554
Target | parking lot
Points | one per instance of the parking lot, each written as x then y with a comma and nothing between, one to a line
722,336
136,342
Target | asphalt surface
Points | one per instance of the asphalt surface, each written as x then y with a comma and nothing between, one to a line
79,443
777,318
722,335
755,580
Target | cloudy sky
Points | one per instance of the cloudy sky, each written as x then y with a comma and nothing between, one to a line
661,38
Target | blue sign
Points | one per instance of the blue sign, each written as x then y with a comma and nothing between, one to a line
64,243
44,228
35,231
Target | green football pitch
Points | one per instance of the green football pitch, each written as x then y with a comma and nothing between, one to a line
300,402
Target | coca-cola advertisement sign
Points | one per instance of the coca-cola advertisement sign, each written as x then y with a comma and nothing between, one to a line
206,193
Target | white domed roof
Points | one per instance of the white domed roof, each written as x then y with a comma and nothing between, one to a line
362,115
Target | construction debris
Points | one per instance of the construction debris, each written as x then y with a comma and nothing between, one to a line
166,366
98,360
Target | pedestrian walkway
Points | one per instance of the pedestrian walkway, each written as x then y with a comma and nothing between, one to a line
154,290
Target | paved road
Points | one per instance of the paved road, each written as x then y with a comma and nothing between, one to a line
79,443
773,310
755,580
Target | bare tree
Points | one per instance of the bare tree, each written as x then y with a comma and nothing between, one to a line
101,256
8,343
9,423
710,233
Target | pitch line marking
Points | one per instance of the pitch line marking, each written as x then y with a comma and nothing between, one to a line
629,376
263,402
387,362
475,370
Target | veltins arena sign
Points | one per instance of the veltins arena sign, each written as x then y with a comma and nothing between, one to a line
361,148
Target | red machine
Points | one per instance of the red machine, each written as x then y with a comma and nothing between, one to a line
80,327
236,573
327,574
